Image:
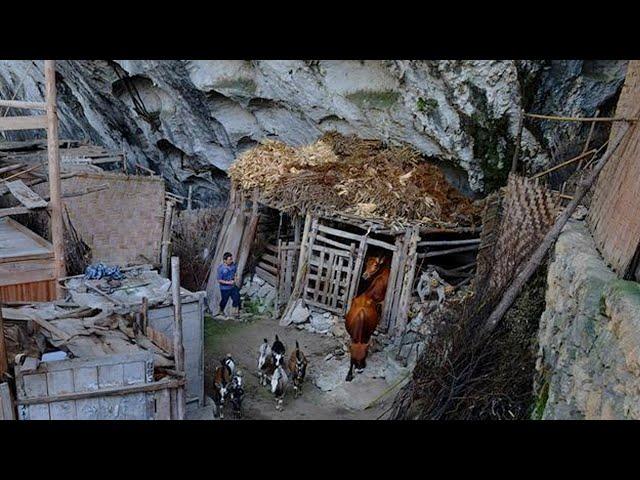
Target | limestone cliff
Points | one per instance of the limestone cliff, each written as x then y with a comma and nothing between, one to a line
188,119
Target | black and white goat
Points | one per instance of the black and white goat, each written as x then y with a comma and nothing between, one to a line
236,392
266,364
298,369
278,350
279,381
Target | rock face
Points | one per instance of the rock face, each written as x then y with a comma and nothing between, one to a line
589,338
188,120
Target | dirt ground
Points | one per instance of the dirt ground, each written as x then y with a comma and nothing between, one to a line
242,340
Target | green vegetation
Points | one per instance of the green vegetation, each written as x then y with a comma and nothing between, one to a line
541,401
625,288
427,105
216,329
380,99
486,133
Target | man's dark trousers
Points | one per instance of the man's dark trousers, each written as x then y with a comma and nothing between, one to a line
233,293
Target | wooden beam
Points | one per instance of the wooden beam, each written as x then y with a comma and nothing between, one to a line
25,195
178,347
11,168
23,104
447,252
580,119
447,243
5,212
55,185
32,122
105,392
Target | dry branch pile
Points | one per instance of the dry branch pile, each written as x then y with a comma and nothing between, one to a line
464,374
194,238
339,174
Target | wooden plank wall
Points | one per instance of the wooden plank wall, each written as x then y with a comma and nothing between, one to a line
43,291
614,215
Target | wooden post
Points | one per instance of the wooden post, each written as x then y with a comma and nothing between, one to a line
303,267
4,366
356,274
516,152
178,348
248,236
391,291
407,285
304,245
166,239
55,186
145,314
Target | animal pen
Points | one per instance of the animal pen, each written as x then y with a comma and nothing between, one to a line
325,207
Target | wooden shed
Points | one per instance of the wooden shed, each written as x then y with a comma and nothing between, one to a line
316,246
26,264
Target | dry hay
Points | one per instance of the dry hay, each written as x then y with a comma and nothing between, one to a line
339,174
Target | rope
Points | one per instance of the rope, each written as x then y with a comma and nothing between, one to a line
138,103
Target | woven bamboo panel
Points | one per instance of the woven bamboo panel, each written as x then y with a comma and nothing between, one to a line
513,229
122,224
615,208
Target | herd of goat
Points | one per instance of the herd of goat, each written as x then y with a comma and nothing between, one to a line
272,371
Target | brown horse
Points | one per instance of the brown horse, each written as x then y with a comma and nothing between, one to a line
378,268
362,318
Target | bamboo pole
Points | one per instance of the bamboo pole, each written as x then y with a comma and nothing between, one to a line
523,277
178,348
55,185
166,239
565,163
580,119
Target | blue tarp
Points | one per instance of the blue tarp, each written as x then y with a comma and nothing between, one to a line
100,270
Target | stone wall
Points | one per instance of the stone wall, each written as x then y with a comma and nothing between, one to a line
589,338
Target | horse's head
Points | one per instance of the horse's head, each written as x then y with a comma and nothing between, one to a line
373,265
359,355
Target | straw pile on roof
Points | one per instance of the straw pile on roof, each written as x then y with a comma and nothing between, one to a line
339,174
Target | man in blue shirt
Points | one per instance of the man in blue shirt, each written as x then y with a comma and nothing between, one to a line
227,277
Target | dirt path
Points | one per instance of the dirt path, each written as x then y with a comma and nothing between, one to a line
242,339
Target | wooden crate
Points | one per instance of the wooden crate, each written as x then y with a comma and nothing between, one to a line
26,264
114,387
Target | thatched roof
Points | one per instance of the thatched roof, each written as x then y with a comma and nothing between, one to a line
349,175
